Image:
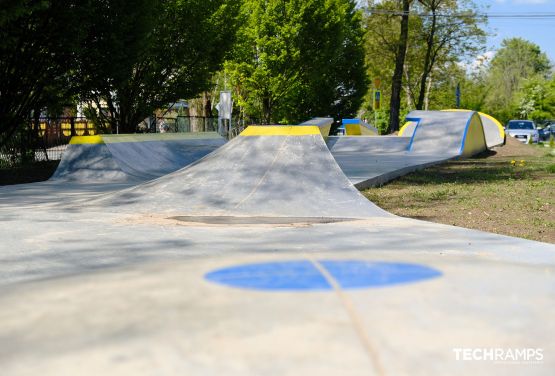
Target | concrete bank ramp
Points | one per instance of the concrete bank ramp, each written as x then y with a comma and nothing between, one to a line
430,138
493,129
323,123
356,127
274,171
132,158
447,134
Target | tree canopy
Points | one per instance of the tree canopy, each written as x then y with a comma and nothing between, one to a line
143,55
40,40
296,59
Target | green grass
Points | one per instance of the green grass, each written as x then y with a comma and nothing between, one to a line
489,192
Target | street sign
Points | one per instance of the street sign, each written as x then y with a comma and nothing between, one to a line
377,99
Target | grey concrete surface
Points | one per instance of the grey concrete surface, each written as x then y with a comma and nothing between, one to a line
491,131
246,178
373,161
441,133
125,158
117,287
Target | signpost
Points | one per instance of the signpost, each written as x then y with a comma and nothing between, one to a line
225,109
376,103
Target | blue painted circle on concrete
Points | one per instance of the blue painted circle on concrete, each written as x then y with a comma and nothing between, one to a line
305,275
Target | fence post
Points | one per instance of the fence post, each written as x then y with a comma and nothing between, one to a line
72,122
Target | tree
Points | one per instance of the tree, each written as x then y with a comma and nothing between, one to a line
298,58
143,55
452,29
516,62
536,100
40,41
397,80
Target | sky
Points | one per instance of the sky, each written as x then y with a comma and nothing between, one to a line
539,31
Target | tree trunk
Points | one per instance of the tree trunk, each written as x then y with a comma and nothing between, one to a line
408,89
427,61
428,90
397,81
207,103
266,110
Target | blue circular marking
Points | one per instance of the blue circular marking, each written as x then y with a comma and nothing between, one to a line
303,275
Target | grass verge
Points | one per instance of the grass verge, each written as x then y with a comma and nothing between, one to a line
509,191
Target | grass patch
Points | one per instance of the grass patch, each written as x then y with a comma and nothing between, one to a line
510,191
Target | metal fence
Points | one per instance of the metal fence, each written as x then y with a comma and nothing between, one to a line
48,138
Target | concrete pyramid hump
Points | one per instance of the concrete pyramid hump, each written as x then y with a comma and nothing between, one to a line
275,171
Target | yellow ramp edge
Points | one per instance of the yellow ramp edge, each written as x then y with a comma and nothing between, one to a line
495,121
278,130
402,130
352,129
475,141
86,140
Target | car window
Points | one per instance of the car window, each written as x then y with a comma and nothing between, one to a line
520,125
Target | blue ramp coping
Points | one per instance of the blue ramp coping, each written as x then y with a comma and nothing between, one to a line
305,275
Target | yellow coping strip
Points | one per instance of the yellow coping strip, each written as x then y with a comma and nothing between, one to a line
402,130
495,121
86,140
274,130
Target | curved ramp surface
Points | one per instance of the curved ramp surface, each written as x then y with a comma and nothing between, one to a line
429,138
493,129
134,158
447,134
266,171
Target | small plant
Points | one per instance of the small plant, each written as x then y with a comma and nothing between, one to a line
552,142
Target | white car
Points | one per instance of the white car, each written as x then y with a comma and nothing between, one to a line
523,130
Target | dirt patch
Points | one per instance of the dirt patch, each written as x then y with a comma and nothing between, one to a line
515,148
510,191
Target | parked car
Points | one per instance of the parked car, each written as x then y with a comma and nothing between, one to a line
547,131
523,130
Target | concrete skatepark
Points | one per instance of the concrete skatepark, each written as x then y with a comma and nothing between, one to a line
260,257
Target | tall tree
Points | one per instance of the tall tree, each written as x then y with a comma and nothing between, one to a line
516,62
298,58
40,41
397,80
451,29
145,54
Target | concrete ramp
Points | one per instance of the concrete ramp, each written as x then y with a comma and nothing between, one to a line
324,124
428,138
272,171
447,134
356,127
132,158
367,144
493,129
